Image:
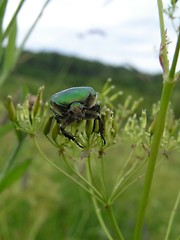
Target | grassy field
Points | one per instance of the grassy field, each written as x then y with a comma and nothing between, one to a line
43,204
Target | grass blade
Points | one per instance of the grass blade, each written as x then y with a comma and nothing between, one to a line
13,20
3,5
10,51
14,174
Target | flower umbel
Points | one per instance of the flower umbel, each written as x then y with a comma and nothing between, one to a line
27,117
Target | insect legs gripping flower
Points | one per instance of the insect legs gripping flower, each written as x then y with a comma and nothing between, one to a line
74,105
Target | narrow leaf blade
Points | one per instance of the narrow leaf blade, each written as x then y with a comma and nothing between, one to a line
14,174
10,51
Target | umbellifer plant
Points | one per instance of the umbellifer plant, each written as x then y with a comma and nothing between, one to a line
83,128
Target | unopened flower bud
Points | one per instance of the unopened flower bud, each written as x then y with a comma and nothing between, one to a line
108,90
153,125
127,102
114,126
106,85
11,109
89,127
38,101
113,133
170,122
143,119
108,126
136,104
115,96
55,131
47,125
31,102
96,126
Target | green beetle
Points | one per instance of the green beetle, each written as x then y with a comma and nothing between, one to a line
75,104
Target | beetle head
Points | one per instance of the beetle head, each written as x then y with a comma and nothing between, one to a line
91,100
76,110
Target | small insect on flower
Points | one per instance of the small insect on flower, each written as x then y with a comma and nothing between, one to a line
74,105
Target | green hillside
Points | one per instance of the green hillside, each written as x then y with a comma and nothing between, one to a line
57,72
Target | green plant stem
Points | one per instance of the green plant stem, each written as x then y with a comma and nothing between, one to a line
166,94
93,180
96,207
165,99
95,190
12,157
125,186
169,227
100,170
100,219
163,50
175,59
113,219
120,176
64,172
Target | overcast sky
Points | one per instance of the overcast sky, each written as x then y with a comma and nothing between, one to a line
112,31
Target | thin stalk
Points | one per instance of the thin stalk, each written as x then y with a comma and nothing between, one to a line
175,59
102,175
126,187
13,19
93,178
84,180
125,184
119,185
165,99
64,172
97,210
100,219
169,227
119,178
12,157
163,50
114,222
166,94
31,29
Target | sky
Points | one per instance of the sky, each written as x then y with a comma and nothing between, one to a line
114,32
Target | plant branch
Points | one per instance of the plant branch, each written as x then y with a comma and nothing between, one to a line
12,157
163,38
175,59
99,195
116,227
160,123
97,210
64,172
169,227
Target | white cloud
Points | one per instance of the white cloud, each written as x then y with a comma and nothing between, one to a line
129,30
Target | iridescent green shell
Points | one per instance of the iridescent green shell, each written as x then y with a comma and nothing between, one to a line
76,94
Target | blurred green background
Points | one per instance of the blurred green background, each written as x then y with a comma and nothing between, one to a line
43,204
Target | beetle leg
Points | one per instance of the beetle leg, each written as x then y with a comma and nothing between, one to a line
94,113
58,118
69,136
95,108
101,129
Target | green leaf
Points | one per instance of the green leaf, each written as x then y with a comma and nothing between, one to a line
32,28
13,20
14,174
3,5
10,51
